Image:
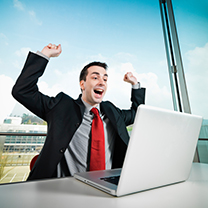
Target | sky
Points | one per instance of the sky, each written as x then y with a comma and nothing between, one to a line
126,34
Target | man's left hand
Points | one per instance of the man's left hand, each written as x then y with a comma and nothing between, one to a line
130,78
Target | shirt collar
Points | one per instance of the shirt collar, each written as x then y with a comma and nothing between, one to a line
88,107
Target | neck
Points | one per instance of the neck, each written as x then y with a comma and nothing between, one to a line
89,105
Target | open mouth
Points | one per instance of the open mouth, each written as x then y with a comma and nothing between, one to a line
98,91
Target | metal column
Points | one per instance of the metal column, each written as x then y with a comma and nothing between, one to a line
174,60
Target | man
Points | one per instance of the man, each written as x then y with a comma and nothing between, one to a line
67,148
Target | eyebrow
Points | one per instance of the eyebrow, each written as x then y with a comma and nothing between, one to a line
98,74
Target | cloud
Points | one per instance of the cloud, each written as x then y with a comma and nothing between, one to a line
65,82
198,60
3,39
155,94
196,78
22,52
7,101
125,57
17,4
34,18
32,15
119,92
50,91
126,67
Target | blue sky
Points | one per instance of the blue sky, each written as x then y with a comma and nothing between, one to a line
126,34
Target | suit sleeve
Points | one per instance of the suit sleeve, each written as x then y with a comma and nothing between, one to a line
137,98
26,90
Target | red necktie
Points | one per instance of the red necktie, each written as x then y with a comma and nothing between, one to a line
97,154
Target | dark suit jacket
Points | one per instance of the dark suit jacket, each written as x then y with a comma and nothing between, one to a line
64,115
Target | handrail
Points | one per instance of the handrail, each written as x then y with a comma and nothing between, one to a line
21,134
44,134
206,139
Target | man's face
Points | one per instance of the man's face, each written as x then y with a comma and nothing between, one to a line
95,86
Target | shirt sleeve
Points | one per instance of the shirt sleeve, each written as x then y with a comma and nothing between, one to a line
136,86
43,55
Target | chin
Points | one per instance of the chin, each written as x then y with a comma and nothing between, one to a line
98,100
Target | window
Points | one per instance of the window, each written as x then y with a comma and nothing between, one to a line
127,35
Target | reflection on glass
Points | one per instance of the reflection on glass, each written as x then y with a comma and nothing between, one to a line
203,142
203,151
131,36
16,152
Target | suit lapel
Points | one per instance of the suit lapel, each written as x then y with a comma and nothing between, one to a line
81,105
115,120
108,113
112,115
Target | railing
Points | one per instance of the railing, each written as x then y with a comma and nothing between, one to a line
8,171
16,154
44,134
21,134
206,139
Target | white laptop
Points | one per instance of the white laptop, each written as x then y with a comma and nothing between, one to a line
160,152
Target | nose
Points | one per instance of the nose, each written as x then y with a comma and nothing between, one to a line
101,81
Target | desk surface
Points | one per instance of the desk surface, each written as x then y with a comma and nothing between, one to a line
68,192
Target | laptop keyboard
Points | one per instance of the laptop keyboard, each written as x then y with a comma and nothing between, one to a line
112,179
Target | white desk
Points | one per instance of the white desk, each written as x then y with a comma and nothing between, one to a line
70,193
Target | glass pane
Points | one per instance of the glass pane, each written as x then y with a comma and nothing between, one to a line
126,34
192,26
203,144
203,151
16,152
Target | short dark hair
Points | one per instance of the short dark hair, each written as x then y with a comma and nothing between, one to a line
84,72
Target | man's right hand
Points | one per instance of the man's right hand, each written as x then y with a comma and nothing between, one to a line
51,50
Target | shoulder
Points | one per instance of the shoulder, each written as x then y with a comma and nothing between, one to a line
107,106
66,100
58,99
63,97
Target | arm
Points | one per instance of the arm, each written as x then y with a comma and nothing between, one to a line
130,78
26,90
137,98
51,50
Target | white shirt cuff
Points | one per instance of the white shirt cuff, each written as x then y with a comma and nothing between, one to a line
43,55
136,86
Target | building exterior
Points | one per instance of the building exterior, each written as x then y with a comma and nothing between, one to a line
18,150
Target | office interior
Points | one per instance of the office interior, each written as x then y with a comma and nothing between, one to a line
174,69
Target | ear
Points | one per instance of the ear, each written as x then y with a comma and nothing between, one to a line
81,83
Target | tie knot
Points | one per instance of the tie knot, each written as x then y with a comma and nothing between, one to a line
95,111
